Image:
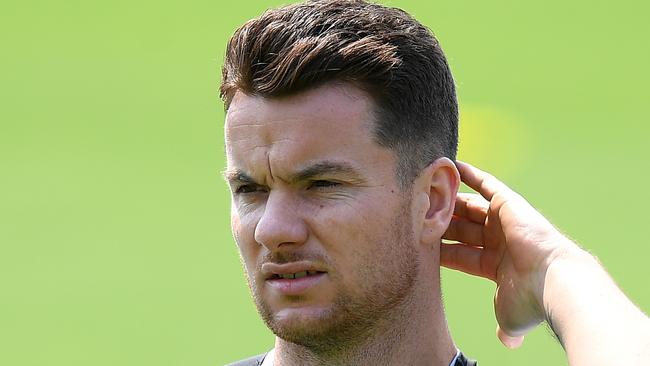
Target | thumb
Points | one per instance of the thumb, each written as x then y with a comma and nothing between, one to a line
509,341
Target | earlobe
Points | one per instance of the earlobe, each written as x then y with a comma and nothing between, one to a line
442,184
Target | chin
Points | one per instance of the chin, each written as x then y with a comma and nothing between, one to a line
302,319
311,327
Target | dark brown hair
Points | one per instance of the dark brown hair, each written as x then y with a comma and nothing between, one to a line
384,51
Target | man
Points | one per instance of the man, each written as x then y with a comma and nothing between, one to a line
341,135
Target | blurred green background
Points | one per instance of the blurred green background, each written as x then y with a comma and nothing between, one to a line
114,236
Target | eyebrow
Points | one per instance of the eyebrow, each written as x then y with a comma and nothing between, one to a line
325,168
237,175
310,172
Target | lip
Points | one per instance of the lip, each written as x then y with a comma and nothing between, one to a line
270,270
295,286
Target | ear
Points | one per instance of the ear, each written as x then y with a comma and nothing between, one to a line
437,187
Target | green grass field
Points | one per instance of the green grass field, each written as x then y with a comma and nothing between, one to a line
115,246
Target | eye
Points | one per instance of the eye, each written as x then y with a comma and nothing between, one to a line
248,188
323,184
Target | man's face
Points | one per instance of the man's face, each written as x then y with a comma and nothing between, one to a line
316,198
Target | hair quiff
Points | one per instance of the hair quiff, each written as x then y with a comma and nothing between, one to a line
383,51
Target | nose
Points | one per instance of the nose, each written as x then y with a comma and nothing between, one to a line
281,224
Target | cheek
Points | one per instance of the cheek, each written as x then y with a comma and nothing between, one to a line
339,229
353,239
243,229
369,238
235,222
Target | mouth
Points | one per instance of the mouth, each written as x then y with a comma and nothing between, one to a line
291,271
292,276
296,278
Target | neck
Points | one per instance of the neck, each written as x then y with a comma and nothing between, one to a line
416,334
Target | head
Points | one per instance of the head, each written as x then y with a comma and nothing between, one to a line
341,130
382,51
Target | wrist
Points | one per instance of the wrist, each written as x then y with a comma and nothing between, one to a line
559,250
568,269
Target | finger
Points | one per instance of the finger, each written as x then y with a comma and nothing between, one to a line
464,231
509,341
471,206
463,258
480,181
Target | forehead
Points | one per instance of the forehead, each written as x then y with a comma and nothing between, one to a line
332,122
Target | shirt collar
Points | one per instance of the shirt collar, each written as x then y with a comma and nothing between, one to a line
270,357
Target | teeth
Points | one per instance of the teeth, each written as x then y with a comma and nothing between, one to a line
291,276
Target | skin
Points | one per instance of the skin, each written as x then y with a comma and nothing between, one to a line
542,276
309,183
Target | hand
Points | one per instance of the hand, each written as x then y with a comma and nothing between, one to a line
503,238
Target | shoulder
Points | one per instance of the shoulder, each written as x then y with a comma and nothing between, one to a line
251,361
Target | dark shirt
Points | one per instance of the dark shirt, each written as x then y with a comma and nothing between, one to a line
257,361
